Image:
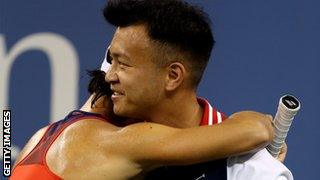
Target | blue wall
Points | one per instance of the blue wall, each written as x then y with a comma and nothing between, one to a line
264,49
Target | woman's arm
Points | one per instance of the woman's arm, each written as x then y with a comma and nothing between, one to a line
156,145
34,140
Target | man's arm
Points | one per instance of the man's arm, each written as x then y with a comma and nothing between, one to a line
155,145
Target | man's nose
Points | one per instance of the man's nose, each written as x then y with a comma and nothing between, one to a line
111,75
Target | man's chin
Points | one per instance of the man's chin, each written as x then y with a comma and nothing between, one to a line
119,111
124,112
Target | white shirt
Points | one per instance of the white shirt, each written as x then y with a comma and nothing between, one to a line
257,166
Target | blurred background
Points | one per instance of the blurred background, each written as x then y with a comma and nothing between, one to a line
264,49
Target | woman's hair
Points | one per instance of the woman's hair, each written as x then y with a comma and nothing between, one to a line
98,86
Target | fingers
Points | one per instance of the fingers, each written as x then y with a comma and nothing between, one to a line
283,153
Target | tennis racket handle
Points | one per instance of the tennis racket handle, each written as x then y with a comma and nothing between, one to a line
287,109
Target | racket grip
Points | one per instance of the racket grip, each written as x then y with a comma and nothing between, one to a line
287,109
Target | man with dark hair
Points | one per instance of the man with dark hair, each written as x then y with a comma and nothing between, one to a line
177,31
158,55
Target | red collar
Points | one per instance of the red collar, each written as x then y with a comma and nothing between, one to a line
210,115
207,110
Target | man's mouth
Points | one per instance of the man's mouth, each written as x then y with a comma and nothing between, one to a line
116,95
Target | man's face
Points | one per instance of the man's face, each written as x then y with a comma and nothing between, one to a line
137,82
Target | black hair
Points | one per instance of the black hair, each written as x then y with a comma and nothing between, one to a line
98,86
170,22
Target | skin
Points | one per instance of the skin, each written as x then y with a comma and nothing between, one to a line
130,152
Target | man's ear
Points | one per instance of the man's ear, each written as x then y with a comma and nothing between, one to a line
175,76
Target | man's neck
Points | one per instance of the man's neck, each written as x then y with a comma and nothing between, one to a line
182,112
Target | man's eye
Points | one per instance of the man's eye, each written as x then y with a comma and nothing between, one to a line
122,64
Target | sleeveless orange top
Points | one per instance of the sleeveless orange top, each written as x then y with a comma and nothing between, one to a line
34,166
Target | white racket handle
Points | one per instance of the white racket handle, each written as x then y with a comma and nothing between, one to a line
287,109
